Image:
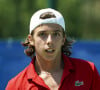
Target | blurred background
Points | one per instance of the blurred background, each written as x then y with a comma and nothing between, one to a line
82,19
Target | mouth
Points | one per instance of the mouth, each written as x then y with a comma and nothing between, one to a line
49,50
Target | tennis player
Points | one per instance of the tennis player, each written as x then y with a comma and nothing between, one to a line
51,67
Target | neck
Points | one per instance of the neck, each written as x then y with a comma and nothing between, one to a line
51,66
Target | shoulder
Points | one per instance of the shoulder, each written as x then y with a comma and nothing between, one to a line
84,65
15,81
80,65
80,62
21,79
86,71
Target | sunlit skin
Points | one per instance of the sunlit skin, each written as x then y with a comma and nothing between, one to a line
48,40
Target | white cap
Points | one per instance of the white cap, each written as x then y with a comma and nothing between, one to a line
36,20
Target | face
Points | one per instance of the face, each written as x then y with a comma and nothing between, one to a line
48,40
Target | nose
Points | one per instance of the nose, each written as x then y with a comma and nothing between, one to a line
49,40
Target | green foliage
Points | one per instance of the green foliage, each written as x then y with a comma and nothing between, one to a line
82,17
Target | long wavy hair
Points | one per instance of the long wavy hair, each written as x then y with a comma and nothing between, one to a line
30,50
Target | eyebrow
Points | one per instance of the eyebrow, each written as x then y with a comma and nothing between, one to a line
57,31
53,31
41,31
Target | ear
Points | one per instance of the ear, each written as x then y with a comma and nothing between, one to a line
31,40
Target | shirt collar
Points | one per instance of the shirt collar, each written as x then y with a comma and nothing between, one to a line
68,67
31,73
32,76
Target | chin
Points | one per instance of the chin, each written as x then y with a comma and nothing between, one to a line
50,58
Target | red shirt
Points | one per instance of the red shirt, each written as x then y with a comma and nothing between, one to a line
77,75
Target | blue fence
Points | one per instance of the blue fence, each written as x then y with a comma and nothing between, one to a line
13,60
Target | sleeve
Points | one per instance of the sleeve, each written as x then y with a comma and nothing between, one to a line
96,79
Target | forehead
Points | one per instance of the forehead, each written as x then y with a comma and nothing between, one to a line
50,27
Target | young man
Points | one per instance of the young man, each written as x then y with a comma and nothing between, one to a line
51,67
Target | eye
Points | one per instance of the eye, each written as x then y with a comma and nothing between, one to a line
42,34
56,34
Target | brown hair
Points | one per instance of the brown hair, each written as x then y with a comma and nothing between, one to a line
31,50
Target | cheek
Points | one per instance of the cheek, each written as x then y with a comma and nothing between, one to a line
58,44
38,43
61,42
